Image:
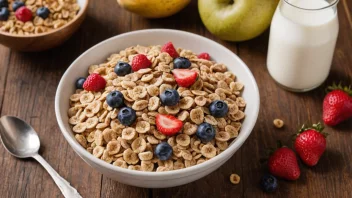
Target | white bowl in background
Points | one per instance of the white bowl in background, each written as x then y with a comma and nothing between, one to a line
100,52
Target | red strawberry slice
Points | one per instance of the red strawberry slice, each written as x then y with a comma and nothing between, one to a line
94,82
204,55
185,77
168,124
23,14
283,163
140,61
170,49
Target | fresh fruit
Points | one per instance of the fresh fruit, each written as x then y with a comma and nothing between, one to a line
185,77
268,183
127,116
205,132
80,82
122,68
23,14
4,3
204,55
337,105
170,49
168,124
140,61
169,97
43,12
153,8
115,99
283,163
310,143
94,82
16,5
218,108
4,14
163,151
182,63
235,20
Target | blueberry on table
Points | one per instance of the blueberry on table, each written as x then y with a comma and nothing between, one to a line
4,14
127,116
115,99
80,82
17,4
163,151
205,132
122,68
4,4
169,97
218,108
268,183
43,12
182,63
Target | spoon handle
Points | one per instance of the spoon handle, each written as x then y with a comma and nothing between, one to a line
67,190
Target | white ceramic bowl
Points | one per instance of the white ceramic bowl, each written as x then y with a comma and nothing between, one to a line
197,44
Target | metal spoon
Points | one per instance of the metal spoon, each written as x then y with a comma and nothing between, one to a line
20,139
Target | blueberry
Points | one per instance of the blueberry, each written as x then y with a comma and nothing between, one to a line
4,14
43,12
122,68
17,4
205,132
163,151
115,99
181,63
268,183
218,109
80,82
169,97
127,116
4,4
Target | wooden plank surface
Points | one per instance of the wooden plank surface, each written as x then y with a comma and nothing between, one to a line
28,83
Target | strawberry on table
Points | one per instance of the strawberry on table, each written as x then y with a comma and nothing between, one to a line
310,144
168,124
140,61
204,55
337,105
185,77
170,49
94,82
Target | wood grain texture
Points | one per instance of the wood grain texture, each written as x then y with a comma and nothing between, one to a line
28,83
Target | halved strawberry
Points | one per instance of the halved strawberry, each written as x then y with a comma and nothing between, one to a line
204,55
185,77
168,124
170,49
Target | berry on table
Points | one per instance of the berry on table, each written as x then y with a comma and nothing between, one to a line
204,55
168,124
205,132
182,63
115,99
127,116
185,77
218,108
163,151
283,163
122,68
94,82
170,49
4,14
268,183
17,4
80,82
140,61
169,97
43,12
24,14
4,3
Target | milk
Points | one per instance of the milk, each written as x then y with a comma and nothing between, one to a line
302,43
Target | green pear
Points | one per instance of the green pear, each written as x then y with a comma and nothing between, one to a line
237,20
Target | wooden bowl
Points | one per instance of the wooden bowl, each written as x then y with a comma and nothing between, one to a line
44,41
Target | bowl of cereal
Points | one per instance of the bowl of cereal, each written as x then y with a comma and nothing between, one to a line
147,114
37,25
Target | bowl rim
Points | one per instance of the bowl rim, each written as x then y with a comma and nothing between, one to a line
80,14
193,169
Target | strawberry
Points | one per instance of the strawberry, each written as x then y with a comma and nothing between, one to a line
170,49
337,105
204,55
140,61
283,163
168,124
24,14
94,82
185,77
310,144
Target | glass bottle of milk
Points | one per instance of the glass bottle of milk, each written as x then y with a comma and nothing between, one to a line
302,41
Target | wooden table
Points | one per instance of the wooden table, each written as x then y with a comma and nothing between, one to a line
28,83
